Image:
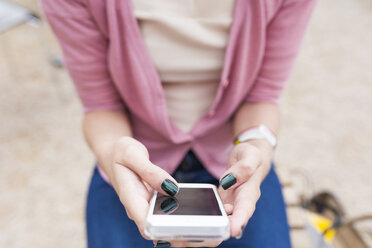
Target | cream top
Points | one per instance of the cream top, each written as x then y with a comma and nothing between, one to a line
186,41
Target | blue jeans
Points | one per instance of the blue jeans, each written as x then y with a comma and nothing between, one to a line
108,226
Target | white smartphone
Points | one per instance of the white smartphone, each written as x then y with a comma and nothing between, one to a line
195,213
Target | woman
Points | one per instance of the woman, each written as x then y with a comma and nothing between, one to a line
166,87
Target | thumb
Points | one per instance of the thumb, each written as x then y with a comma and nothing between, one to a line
157,178
134,155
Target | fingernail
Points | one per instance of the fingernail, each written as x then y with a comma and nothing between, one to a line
169,187
241,233
228,181
162,243
168,205
195,241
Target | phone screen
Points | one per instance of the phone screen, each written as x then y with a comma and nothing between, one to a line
188,201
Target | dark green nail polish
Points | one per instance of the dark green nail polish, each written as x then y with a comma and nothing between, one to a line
168,205
162,243
169,187
228,181
241,234
195,241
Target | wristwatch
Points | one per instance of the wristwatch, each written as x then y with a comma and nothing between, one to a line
260,132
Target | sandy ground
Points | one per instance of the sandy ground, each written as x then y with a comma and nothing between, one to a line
45,165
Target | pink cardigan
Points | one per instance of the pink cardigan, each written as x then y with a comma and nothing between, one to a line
109,64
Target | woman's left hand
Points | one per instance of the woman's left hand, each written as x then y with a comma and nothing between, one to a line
249,163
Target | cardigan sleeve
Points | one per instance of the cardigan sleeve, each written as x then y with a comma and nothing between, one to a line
284,35
84,50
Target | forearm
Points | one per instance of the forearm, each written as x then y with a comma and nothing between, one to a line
253,114
102,129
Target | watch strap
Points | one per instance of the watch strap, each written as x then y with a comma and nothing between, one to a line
259,132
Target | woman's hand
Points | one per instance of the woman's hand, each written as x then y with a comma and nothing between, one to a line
134,178
249,163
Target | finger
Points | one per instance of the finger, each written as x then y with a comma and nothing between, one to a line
155,176
244,207
161,243
226,196
228,208
240,172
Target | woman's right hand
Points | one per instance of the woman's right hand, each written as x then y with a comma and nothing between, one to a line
134,178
